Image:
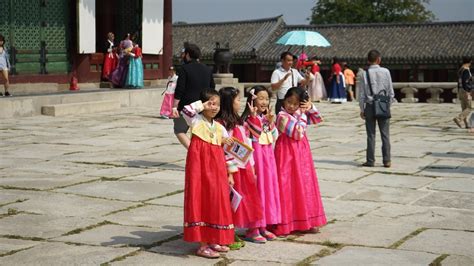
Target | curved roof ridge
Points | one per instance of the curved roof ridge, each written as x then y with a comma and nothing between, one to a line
393,24
276,18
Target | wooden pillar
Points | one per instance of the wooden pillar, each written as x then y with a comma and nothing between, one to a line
167,38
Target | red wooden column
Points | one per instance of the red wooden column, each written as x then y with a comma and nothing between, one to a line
167,37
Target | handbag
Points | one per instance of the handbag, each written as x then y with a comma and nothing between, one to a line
381,101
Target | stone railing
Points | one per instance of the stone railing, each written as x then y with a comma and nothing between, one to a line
434,89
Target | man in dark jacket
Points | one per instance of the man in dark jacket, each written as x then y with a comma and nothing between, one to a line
464,91
193,77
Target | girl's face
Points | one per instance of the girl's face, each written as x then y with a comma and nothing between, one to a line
291,104
215,102
262,101
236,104
1,43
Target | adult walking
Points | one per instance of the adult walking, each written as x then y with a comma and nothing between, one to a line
376,80
194,77
464,91
286,77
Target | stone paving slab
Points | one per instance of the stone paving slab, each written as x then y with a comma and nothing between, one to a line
119,235
42,226
455,260
394,180
8,245
123,190
173,200
348,210
150,258
454,184
442,242
385,194
449,200
152,216
62,254
340,175
376,256
70,205
42,181
372,233
335,189
118,172
164,176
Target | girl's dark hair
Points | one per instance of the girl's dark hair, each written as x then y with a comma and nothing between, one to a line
227,115
2,39
206,94
299,92
256,89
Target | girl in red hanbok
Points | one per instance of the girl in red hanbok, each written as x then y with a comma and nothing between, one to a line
249,212
301,205
207,211
110,57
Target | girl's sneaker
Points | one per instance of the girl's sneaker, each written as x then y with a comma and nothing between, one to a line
268,235
219,248
236,245
7,94
255,238
207,252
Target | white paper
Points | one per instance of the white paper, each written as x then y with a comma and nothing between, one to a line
235,199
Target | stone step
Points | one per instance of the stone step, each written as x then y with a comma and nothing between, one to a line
65,109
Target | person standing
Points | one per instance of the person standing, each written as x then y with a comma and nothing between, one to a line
194,77
464,91
349,80
168,100
376,79
110,56
337,90
286,77
4,65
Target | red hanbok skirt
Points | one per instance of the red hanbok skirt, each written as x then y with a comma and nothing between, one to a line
207,211
110,63
301,205
250,210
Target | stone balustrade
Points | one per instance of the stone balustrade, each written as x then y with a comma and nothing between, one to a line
434,89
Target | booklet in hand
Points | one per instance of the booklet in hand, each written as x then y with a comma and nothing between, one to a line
235,199
239,150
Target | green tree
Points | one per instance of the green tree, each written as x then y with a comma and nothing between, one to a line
370,11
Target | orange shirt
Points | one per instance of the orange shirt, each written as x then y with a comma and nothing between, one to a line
349,76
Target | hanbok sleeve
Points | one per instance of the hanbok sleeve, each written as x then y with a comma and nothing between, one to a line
229,159
191,113
314,116
254,126
293,126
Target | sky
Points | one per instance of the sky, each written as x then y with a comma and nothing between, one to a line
293,11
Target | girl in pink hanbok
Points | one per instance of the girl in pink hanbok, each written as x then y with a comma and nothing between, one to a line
301,205
167,104
265,165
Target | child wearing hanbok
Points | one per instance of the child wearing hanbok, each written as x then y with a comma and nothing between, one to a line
110,57
337,89
265,165
301,205
168,100
207,210
249,212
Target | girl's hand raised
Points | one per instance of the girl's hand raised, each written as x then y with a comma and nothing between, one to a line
207,105
306,106
252,109
270,116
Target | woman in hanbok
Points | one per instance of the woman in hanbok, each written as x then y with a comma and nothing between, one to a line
301,205
135,69
119,75
337,90
110,57
316,89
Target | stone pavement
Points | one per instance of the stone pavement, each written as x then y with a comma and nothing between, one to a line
107,189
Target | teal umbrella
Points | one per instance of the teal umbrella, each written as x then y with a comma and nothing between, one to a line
303,38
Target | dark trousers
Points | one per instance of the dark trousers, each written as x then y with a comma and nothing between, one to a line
384,127
278,106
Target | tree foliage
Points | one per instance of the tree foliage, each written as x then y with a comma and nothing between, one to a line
370,11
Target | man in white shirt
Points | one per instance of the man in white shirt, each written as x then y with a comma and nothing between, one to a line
286,77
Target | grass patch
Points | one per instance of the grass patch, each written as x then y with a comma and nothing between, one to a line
438,260
123,257
329,243
23,237
323,253
79,230
411,235
126,209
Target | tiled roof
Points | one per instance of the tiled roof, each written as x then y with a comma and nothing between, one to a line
244,37
438,42
399,43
